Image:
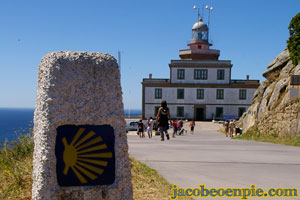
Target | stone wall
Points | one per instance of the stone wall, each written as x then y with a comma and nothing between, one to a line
275,110
283,122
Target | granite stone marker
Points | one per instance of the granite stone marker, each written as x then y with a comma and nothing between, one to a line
81,149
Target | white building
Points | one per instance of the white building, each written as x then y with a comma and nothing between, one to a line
200,85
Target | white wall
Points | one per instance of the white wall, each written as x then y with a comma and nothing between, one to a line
189,76
188,111
228,110
230,103
231,95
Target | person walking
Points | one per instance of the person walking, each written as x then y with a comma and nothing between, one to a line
181,123
162,118
150,124
174,128
226,124
141,129
181,127
178,127
192,125
231,127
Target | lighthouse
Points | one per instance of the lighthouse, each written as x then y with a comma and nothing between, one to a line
200,85
199,47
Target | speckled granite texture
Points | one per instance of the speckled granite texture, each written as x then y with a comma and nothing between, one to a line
78,88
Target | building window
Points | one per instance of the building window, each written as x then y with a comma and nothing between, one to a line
219,112
158,93
200,93
241,111
180,73
156,110
220,93
243,94
200,74
180,93
220,74
180,111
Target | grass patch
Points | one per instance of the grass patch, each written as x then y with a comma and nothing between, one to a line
16,168
148,184
16,174
222,130
254,134
271,139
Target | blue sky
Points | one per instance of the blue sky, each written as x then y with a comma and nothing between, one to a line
148,33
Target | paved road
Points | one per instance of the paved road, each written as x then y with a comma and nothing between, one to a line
209,158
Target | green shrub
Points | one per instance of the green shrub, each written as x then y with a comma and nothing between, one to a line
16,168
254,134
293,42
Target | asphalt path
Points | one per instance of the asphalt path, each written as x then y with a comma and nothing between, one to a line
208,157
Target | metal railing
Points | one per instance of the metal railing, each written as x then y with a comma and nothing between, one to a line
243,81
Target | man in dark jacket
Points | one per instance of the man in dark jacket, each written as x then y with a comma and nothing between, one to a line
162,120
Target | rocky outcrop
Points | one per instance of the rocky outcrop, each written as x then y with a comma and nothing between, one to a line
275,109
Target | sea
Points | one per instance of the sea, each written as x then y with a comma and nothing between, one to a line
16,121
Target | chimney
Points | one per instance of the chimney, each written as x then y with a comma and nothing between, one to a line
247,77
150,76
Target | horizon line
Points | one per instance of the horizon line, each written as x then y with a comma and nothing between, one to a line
34,108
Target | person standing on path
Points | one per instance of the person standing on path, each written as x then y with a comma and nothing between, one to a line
231,127
181,129
226,124
178,127
150,124
192,125
141,129
174,128
181,124
162,119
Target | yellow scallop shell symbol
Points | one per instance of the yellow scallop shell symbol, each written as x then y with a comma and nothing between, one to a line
79,157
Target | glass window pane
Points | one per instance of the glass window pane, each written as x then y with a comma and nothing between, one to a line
200,74
220,94
158,93
203,74
180,111
200,93
220,74
243,94
180,93
197,74
219,112
180,74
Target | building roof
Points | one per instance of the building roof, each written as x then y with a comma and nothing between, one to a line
233,84
199,63
200,26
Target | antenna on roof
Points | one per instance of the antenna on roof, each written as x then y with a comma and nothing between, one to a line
198,9
202,12
209,8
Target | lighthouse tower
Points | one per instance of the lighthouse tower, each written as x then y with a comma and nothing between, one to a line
200,85
199,46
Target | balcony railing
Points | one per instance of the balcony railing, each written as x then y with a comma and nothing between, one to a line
156,80
243,81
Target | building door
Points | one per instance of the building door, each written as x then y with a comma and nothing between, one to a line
199,114
219,113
